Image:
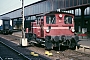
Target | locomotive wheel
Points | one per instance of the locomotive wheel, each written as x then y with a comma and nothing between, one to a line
72,44
34,36
48,43
5,33
31,44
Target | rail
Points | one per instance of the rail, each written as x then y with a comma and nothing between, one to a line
1,58
83,46
15,51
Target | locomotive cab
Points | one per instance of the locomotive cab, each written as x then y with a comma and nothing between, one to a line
60,30
54,29
60,21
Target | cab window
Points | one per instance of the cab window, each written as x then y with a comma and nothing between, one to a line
50,19
38,20
68,19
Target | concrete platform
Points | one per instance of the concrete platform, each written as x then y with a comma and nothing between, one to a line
84,45
19,34
84,42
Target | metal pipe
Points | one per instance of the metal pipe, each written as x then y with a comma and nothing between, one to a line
23,34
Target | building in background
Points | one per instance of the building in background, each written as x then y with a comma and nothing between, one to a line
80,8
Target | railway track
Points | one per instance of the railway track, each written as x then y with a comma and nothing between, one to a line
8,53
71,55
60,55
21,51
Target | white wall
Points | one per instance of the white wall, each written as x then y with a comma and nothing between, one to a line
0,22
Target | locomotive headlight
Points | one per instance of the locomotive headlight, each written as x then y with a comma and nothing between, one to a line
73,30
60,15
47,30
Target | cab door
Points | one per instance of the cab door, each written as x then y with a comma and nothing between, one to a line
42,27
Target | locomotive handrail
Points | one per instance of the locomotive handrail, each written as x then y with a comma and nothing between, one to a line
66,25
53,25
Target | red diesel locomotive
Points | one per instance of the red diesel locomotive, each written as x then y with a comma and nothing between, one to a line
54,29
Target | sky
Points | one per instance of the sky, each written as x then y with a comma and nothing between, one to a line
10,5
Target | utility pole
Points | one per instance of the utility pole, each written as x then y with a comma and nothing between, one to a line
23,34
23,40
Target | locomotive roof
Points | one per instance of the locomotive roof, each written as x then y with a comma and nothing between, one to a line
55,12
